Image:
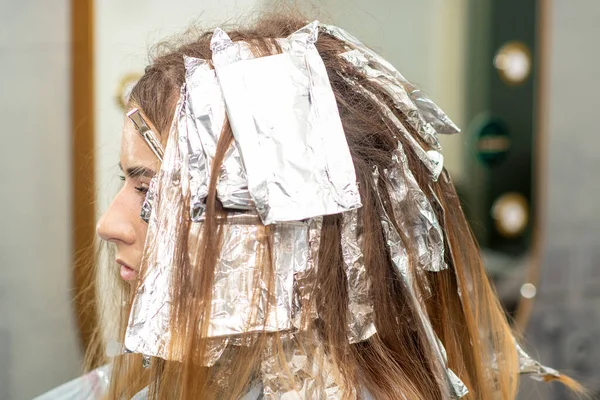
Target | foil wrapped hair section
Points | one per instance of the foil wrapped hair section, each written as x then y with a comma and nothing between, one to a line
532,368
148,329
360,319
419,221
284,118
148,203
400,260
306,363
206,115
428,118
432,156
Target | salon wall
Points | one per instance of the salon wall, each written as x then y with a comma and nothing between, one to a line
39,346
565,326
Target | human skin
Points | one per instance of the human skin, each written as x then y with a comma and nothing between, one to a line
121,223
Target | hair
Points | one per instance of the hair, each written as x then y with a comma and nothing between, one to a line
394,363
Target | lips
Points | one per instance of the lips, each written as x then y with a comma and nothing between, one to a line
127,273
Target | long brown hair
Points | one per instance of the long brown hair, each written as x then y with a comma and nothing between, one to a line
394,363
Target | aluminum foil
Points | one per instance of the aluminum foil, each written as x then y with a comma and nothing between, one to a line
532,368
429,118
415,214
206,113
149,200
285,120
234,287
361,325
307,362
148,330
304,311
432,157
419,220
400,260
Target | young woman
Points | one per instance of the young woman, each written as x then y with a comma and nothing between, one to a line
304,240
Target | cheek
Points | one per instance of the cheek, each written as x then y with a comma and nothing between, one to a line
142,231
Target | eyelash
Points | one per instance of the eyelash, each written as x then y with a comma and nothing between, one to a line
141,189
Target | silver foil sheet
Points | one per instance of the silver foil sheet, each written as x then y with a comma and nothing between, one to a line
285,120
432,156
432,159
415,214
400,259
206,118
149,200
429,118
419,220
235,289
532,368
148,330
303,309
361,325
306,361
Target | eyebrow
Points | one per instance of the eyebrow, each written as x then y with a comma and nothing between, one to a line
138,171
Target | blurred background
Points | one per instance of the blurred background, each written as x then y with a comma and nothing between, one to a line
519,77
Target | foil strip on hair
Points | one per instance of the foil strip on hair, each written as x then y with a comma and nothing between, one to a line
148,329
313,373
148,203
285,120
428,119
423,226
239,281
432,159
91,386
304,310
534,369
206,118
400,259
361,325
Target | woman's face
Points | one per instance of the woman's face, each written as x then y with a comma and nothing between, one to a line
121,224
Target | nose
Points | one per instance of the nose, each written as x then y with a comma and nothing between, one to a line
116,224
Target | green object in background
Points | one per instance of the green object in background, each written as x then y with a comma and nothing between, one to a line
493,142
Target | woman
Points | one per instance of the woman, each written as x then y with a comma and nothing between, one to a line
304,240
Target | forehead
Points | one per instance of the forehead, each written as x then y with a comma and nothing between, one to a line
134,149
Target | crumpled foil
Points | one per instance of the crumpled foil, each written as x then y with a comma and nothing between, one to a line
284,118
304,310
415,214
206,118
314,374
424,115
431,158
234,287
149,200
421,225
361,325
400,260
148,330
532,368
